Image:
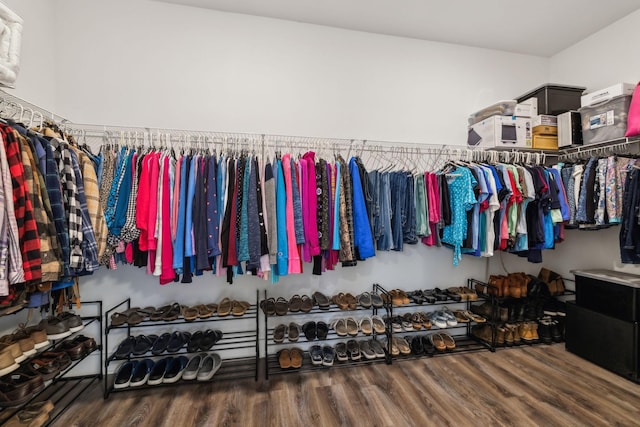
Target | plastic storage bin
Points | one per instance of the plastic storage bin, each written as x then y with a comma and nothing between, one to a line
605,121
555,99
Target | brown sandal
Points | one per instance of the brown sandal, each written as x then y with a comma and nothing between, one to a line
307,304
189,313
225,307
296,358
284,359
295,304
282,306
239,308
204,312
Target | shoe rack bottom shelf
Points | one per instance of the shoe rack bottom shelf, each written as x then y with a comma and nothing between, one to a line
273,366
464,344
231,369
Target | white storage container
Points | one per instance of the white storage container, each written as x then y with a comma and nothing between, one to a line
501,131
605,121
606,94
500,108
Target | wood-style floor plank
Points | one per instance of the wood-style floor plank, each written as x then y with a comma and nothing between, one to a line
524,386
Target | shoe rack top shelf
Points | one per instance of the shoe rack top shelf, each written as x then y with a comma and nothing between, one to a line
250,314
317,310
488,297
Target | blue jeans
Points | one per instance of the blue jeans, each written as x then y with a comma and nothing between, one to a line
385,237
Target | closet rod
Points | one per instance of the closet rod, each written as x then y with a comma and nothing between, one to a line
601,149
8,100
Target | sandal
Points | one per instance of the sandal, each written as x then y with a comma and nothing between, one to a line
189,313
159,313
204,312
295,304
366,325
173,313
295,355
284,359
474,317
340,326
279,333
352,326
307,304
416,321
376,301
268,306
282,306
225,307
239,308
351,301
341,301
460,316
118,319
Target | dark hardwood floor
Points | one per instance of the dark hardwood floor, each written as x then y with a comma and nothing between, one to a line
524,386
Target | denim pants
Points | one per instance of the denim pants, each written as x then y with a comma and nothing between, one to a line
409,226
398,208
384,241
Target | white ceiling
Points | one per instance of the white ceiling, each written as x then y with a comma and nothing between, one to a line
534,27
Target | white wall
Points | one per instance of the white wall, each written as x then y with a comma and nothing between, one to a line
36,81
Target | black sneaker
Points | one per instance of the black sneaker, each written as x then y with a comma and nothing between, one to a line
427,345
328,355
353,349
556,334
544,331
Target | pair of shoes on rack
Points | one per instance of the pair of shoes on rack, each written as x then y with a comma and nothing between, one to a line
24,342
19,387
324,355
282,331
136,315
443,318
62,325
313,330
299,303
290,358
463,293
35,414
234,307
442,341
368,300
420,344
345,301
200,311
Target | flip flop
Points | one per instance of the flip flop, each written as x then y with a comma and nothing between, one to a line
282,306
238,308
204,312
268,306
189,313
118,319
224,308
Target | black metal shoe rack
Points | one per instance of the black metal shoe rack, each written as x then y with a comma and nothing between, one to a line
334,312
64,389
497,302
240,335
461,333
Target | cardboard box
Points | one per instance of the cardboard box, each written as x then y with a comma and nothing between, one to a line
501,131
606,94
545,130
544,120
569,129
527,108
545,142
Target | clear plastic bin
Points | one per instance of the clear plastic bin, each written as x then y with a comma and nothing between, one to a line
605,121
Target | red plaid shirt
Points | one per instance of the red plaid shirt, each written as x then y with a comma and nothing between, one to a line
25,218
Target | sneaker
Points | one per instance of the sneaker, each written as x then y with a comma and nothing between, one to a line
316,355
141,373
123,376
451,318
210,365
366,350
13,348
38,335
377,348
175,370
341,352
56,328
74,322
192,368
328,355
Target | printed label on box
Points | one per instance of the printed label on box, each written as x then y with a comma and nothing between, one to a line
602,120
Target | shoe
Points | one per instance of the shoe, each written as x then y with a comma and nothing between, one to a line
239,308
157,315
341,352
123,376
293,332
226,305
177,341
556,333
340,300
295,303
429,296
284,358
175,369
391,347
451,318
438,342
173,313
449,342
460,317
403,346
416,297
352,302
352,326
485,310
416,345
141,345
191,370
210,365
321,300
74,322
482,332
159,370
296,358
544,331
56,329
61,357
340,326
307,304
426,321
13,348
161,344
377,349
88,342
39,336
7,363
406,323
473,317
140,373
34,415
206,311
366,350
378,324
416,321
209,339
316,355
278,333
268,306
309,330
455,294
396,324
366,325
328,355
514,332
76,350
19,387
438,319
322,330
353,349
501,332
196,339
24,340
189,314
376,301
429,349
364,300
